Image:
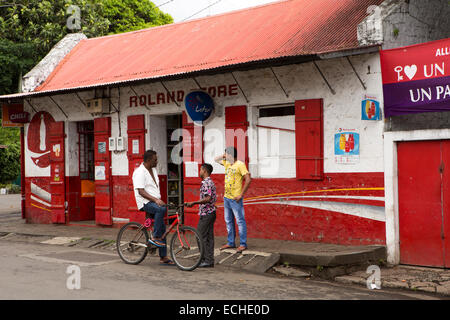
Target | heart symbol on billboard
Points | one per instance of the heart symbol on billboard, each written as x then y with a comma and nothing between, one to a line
411,71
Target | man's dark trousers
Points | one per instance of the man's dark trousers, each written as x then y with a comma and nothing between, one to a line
206,229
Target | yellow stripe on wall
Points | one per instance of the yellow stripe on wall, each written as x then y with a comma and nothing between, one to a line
312,191
40,207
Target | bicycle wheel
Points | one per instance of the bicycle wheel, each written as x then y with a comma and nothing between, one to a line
132,243
186,248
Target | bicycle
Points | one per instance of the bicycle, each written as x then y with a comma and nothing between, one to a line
186,246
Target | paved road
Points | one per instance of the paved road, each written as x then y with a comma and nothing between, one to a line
10,203
36,271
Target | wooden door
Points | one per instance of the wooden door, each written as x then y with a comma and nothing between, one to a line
309,139
136,149
57,172
103,190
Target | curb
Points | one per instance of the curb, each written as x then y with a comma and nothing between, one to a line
415,286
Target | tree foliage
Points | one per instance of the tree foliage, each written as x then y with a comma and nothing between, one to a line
9,157
30,28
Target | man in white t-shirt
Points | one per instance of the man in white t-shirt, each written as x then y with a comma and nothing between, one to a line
148,199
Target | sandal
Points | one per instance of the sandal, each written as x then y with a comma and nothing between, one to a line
166,262
240,249
226,246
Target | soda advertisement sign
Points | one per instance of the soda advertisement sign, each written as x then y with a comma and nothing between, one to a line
346,146
13,115
370,109
416,79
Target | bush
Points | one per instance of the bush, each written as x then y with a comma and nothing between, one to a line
10,188
9,163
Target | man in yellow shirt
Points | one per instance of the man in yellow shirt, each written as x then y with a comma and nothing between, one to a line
235,173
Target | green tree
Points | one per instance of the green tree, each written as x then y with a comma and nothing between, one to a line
9,157
30,28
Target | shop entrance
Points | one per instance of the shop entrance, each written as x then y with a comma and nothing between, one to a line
424,205
86,165
174,169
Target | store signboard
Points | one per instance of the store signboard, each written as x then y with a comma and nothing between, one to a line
14,116
416,79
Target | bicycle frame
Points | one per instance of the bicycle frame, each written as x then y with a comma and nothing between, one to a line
177,223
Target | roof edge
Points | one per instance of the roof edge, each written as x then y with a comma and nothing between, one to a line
256,64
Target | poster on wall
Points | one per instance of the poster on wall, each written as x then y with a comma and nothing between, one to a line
191,169
346,146
416,78
100,172
370,108
135,146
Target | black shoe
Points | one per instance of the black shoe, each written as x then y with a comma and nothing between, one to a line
206,265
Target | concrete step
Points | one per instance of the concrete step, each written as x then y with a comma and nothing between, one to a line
253,261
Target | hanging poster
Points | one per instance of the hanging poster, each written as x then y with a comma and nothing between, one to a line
135,146
57,150
346,146
416,78
100,172
191,169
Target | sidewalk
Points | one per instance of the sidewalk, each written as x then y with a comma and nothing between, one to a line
263,253
414,278
10,203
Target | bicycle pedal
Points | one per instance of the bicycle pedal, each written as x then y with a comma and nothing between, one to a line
155,244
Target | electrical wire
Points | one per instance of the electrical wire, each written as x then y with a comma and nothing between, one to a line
201,10
164,3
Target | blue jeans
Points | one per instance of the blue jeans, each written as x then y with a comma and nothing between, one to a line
235,209
158,213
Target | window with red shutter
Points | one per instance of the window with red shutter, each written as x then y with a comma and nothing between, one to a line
309,139
236,126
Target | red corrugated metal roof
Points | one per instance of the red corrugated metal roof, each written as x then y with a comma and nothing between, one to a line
280,29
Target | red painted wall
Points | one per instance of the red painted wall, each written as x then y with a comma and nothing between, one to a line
271,221
36,212
287,222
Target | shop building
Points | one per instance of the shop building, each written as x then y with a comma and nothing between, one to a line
297,88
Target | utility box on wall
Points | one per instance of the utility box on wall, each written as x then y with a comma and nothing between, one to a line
120,144
97,106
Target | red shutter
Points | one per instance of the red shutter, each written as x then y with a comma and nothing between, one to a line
103,190
236,119
192,152
57,173
309,139
136,135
